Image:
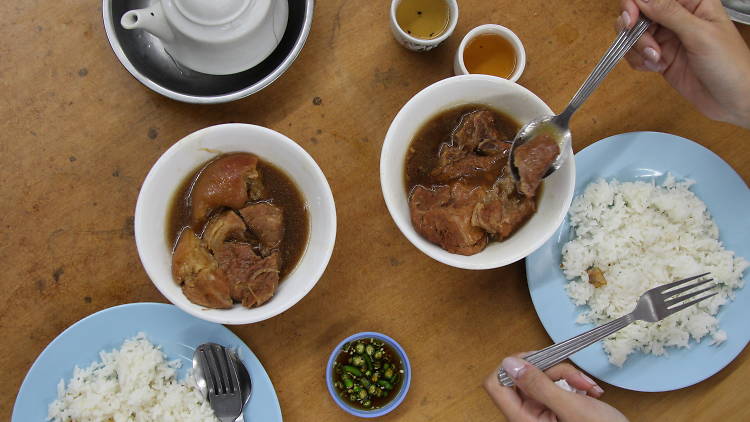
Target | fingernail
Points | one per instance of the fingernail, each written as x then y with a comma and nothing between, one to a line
652,66
587,378
596,387
651,54
624,20
514,366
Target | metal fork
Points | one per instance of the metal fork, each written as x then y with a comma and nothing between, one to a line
654,305
222,380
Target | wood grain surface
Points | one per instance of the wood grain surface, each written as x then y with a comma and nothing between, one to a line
79,134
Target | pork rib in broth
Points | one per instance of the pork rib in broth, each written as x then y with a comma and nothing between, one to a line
461,192
247,223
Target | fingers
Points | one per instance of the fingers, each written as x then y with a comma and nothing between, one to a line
506,399
575,379
629,14
566,371
673,15
646,52
715,11
646,55
536,385
648,47
635,60
709,9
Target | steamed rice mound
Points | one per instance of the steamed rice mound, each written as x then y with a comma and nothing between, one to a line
642,235
134,383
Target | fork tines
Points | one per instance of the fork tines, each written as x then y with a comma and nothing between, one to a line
668,286
675,302
221,375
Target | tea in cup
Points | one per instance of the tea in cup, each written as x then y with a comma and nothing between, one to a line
491,50
421,25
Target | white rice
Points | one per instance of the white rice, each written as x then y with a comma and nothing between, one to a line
642,235
133,383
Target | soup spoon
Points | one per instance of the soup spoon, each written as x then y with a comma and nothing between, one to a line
558,126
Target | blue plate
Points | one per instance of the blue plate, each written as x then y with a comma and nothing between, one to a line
176,332
645,156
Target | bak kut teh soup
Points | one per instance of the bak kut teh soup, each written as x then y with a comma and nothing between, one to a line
239,225
425,19
460,190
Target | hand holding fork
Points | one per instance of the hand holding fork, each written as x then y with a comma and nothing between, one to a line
654,305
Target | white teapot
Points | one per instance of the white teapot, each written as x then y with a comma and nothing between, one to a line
218,37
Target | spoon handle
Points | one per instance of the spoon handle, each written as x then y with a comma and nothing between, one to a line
624,41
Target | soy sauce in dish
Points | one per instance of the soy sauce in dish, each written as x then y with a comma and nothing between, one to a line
367,374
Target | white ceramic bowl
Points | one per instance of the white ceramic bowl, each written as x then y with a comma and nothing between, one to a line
181,160
459,68
503,95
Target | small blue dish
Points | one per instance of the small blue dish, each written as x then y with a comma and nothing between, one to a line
399,396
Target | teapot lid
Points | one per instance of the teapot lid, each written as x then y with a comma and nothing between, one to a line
211,13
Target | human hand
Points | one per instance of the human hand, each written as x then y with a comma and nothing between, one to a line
536,398
698,50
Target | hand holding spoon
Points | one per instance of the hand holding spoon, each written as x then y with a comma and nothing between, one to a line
558,126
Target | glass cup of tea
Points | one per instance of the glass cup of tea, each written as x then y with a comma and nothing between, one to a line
491,50
421,25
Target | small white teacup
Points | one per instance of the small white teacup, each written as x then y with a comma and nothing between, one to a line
459,68
423,44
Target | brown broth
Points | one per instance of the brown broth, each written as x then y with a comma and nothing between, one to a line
422,156
280,190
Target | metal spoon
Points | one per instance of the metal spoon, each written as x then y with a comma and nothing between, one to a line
558,126
242,374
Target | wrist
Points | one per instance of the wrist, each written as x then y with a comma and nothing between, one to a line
740,116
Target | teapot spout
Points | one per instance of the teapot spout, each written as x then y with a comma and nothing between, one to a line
150,19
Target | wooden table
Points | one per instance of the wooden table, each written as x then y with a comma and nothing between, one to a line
79,135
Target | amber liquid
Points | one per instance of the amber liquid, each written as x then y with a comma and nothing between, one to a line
426,19
490,54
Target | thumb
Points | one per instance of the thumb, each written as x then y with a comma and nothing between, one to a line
536,385
673,15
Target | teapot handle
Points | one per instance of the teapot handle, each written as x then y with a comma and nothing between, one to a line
151,19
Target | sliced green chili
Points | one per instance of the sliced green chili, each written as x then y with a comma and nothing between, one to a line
348,382
365,373
385,384
352,370
368,361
